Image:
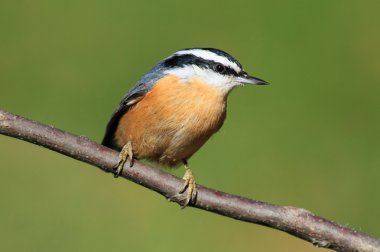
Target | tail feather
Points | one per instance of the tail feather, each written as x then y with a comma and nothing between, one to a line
110,142
109,137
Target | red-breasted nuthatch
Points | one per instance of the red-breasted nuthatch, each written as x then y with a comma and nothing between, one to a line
174,109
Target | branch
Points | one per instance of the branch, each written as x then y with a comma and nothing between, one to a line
295,221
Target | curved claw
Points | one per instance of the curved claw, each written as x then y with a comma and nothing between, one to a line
125,152
189,187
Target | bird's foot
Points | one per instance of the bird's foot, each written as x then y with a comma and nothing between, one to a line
188,192
125,153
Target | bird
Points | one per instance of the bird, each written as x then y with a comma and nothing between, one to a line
174,109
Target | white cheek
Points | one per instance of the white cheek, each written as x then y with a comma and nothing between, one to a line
224,83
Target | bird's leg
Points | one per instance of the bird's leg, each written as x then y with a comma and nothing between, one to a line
191,192
125,152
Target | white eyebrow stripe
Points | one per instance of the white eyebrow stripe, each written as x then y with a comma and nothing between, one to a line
208,55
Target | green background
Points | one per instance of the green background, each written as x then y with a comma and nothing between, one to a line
310,140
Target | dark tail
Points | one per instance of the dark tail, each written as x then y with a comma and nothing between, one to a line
109,137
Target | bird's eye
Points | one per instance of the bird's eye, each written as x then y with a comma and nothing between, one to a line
220,68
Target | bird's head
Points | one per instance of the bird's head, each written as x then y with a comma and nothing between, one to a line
211,66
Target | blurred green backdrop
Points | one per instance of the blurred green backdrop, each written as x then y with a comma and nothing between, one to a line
311,139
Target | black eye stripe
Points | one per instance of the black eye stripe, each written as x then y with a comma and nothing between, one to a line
220,53
190,59
230,71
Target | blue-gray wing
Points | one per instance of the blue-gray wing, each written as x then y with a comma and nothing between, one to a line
132,97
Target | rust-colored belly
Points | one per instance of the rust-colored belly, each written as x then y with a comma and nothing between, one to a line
172,121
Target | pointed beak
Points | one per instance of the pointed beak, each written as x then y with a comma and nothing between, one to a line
247,79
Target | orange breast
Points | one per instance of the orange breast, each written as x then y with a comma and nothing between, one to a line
173,120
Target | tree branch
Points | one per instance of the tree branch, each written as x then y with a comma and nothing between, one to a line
295,221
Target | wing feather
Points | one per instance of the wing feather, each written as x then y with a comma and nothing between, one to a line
133,97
